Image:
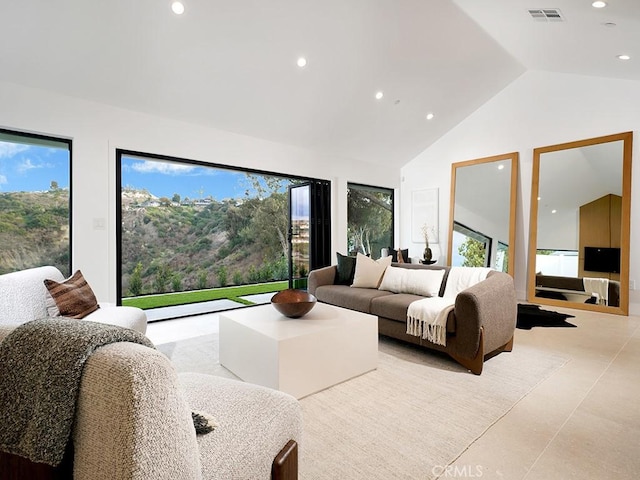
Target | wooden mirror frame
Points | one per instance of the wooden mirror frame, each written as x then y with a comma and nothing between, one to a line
623,308
514,156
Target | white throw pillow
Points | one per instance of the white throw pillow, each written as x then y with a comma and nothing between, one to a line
369,272
424,282
393,279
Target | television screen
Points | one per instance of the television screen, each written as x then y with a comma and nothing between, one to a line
601,259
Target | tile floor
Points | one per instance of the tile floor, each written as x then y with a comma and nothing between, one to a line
583,422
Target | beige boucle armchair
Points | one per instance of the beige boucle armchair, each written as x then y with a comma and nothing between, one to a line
133,421
23,297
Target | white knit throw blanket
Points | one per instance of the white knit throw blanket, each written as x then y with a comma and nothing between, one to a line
427,318
599,286
461,278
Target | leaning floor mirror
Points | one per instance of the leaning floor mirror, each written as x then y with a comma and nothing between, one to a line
482,212
579,232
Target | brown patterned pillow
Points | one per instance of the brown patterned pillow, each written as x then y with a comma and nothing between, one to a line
74,296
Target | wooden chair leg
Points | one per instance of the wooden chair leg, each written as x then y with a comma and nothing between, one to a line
508,347
476,363
14,467
285,465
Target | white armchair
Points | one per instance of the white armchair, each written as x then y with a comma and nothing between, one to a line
23,297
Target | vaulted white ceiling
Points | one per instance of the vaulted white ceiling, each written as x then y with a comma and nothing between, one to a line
232,65
585,41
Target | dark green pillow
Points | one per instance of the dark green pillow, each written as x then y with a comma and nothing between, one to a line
346,269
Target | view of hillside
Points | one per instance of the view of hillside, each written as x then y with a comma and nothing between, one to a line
34,230
181,244
167,244
185,244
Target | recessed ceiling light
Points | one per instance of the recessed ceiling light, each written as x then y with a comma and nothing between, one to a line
539,198
302,62
599,4
624,57
609,24
177,7
430,116
553,211
500,167
379,95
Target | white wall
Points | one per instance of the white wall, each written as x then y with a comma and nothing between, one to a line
537,109
97,130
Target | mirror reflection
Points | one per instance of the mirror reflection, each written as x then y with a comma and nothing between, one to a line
483,197
579,237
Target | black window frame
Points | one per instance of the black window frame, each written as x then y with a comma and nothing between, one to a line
478,236
392,192
69,143
320,259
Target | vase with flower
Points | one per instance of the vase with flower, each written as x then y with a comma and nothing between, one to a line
427,254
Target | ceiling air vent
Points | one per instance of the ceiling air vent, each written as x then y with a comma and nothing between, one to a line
546,15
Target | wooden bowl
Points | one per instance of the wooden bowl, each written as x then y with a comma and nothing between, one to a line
293,303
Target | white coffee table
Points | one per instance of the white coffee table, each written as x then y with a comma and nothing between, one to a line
298,356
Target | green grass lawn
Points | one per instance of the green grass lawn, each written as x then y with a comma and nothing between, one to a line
182,298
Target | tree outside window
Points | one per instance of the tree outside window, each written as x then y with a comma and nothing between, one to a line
470,248
369,219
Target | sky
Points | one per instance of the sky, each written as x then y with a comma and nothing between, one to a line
164,179
32,167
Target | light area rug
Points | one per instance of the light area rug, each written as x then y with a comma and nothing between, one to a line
408,419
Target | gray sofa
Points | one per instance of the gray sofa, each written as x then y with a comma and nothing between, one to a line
481,324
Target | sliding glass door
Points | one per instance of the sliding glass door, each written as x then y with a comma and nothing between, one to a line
299,230
309,230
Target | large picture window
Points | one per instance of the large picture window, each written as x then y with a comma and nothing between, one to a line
191,232
35,202
369,219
